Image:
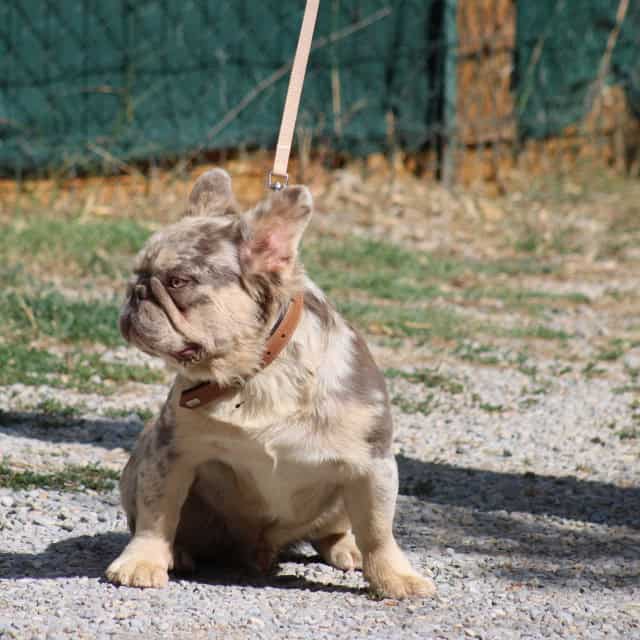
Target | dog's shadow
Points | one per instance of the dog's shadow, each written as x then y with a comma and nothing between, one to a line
88,555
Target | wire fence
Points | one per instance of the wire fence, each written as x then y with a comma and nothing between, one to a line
469,88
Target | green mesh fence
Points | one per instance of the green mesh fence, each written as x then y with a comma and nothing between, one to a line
87,84
560,47
81,81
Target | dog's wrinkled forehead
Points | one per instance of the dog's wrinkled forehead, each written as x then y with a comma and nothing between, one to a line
195,244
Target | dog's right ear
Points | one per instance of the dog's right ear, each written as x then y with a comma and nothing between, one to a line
212,195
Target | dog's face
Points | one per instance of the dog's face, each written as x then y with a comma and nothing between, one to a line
205,290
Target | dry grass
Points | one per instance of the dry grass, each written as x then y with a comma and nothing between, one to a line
405,258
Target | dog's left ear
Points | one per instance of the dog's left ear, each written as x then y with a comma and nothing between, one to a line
212,195
273,230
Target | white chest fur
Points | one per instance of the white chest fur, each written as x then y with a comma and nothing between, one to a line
263,474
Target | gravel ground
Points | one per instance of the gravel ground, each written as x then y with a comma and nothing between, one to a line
518,495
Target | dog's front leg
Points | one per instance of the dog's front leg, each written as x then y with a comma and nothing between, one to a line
370,501
161,486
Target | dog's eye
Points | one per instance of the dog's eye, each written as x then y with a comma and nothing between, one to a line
176,283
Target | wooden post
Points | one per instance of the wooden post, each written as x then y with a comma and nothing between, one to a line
450,93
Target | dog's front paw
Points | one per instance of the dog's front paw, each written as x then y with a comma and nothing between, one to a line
391,576
137,573
140,565
399,586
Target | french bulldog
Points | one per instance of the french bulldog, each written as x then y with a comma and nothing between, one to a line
289,450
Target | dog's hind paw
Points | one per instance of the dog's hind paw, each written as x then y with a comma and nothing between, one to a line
340,551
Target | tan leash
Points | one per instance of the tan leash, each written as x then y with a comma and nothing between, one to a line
278,177
207,392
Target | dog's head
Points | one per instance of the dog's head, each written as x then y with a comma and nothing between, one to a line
206,291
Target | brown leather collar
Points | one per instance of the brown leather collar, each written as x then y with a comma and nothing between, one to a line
206,392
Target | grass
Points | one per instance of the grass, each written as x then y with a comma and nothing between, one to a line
428,377
49,313
531,301
71,478
141,412
419,323
627,388
591,370
491,408
26,365
614,350
379,286
73,246
479,353
386,271
410,406
55,408
380,269
537,331
542,387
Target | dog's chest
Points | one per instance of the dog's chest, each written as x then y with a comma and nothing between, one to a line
275,476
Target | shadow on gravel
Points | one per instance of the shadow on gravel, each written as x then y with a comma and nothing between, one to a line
89,555
488,491
108,433
80,556
562,496
213,576
590,532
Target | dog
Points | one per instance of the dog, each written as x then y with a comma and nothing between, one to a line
296,447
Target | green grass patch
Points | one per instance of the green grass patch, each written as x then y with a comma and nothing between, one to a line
421,323
386,271
77,370
591,370
71,478
491,408
427,377
49,313
614,350
381,270
610,355
479,353
529,300
537,331
407,405
76,246
527,265
55,408
627,388
141,412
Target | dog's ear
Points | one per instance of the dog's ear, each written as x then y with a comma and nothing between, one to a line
212,195
272,231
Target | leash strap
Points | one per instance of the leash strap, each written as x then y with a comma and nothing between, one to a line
278,177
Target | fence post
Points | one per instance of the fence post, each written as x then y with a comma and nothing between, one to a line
450,92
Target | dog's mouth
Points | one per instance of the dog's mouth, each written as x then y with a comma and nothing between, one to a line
191,354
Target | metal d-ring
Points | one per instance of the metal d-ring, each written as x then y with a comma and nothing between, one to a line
280,182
